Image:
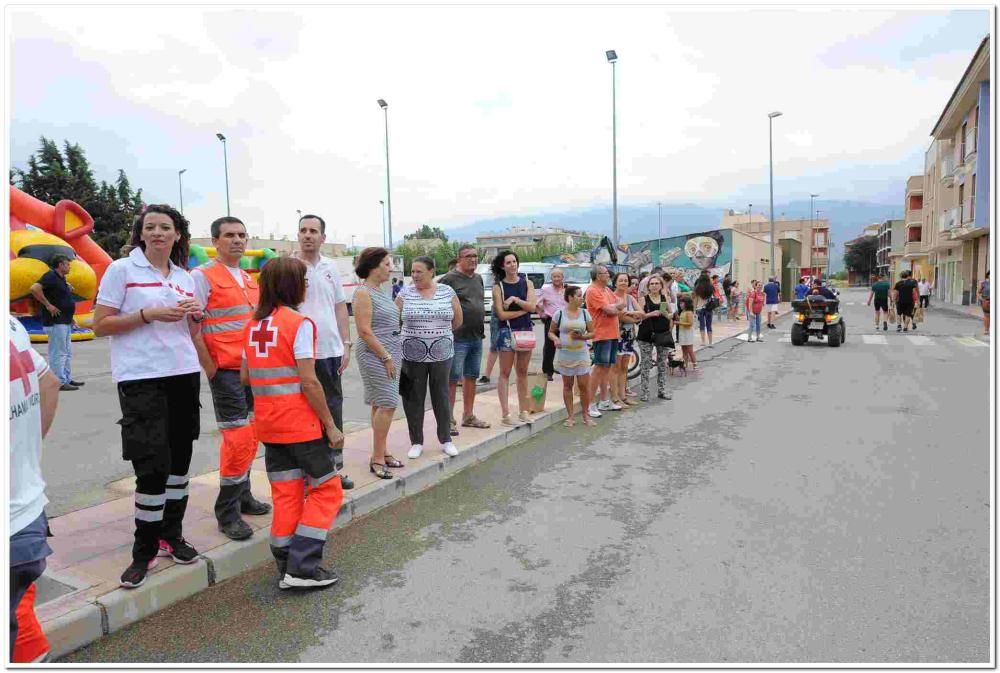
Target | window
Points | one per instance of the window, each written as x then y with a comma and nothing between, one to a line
820,239
972,200
913,234
961,204
961,153
916,202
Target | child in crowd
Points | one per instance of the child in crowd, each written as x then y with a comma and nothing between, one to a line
686,330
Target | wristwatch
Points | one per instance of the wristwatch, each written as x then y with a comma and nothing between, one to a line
388,356
348,343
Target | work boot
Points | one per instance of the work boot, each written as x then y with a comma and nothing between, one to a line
236,530
252,506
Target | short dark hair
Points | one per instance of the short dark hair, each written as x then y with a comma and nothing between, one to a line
614,281
216,227
58,259
282,282
179,253
468,246
425,260
453,262
322,222
570,291
368,260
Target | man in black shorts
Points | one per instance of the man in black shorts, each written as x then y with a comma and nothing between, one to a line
880,293
905,296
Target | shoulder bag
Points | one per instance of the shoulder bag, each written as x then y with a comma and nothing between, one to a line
524,340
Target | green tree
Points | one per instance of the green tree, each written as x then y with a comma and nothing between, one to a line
427,232
860,256
52,176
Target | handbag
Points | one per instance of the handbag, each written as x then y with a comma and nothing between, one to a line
663,339
524,340
892,313
918,314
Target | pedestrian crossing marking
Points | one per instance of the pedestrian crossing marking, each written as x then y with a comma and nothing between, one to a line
971,341
785,340
742,336
874,340
918,340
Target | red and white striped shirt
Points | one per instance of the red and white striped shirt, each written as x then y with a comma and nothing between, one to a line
159,349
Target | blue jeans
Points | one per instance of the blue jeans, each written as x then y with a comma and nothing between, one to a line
705,320
754,319
59,355
465,363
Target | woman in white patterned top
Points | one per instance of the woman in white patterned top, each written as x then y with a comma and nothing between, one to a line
431,312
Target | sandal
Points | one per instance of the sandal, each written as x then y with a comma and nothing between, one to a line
590,422
390,461
473,422
381,472
569,422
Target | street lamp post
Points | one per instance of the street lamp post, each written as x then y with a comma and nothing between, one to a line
225,163
382,203
749,215
388,192
770,154
180,188
812,226
612,59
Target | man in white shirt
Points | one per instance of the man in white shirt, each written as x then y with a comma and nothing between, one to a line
326,305
924,291
34,394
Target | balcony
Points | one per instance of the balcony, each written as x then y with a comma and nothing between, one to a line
915,217
948,170
913,249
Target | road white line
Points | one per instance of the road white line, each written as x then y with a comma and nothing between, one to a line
785,340
971,341
742,336
874,340
918,340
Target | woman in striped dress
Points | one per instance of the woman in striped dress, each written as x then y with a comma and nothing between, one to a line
431,313
380,351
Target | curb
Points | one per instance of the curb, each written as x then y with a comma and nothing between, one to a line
119,608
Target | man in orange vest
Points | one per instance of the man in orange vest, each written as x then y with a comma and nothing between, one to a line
229,296
303,445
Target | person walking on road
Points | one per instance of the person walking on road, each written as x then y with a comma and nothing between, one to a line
924,291
34,394
302,444
513,302
380,351
55,295
431,313
755,306
570,328
880,295
705,304
654,334
627,321
772,297
551,298
229,296
905,296
326,306
685,332
147,305
604,308
735,300
984,302
468,339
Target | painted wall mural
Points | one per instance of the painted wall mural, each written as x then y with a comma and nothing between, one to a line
688,254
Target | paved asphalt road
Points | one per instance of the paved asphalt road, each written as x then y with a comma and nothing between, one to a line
791,504
82,461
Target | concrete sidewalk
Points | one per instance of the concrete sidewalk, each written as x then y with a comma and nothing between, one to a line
93,545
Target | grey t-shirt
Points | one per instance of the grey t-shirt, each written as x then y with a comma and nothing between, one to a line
470,295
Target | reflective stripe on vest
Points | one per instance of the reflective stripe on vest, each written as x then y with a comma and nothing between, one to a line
282,413
227,312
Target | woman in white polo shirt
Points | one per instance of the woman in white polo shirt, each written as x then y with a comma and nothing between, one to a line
147,305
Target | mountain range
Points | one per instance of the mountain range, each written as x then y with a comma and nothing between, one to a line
639,222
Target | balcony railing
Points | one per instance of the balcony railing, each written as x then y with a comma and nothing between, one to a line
948,220
913,248
948,169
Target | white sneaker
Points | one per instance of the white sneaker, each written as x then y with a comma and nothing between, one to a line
415,451
760,340
593,412
449,448
608,405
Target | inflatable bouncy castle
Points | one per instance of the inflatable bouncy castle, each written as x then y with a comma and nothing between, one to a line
38,231
252,261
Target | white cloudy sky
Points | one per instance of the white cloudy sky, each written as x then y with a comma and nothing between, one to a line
493,110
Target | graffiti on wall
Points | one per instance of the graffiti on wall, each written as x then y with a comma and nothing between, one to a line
688,254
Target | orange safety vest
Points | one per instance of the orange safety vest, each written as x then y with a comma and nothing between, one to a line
229,308
283,414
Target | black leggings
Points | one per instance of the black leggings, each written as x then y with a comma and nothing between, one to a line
414,380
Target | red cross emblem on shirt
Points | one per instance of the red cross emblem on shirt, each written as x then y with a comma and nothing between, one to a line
262,336
21,365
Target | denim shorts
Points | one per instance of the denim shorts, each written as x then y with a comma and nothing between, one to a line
605,352
494,329
465,364
505,341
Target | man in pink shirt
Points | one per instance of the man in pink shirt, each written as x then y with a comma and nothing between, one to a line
551,298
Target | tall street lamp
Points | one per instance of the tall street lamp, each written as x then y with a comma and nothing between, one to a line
225,162
180,188
770,154
388,192
812,224
382,203
749,215
612,59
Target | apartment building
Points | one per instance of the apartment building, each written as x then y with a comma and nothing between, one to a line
955,194
890,247
527,237
812,234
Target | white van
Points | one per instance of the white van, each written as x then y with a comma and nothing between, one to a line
538,272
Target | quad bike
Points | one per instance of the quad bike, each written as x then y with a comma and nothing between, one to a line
817,316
